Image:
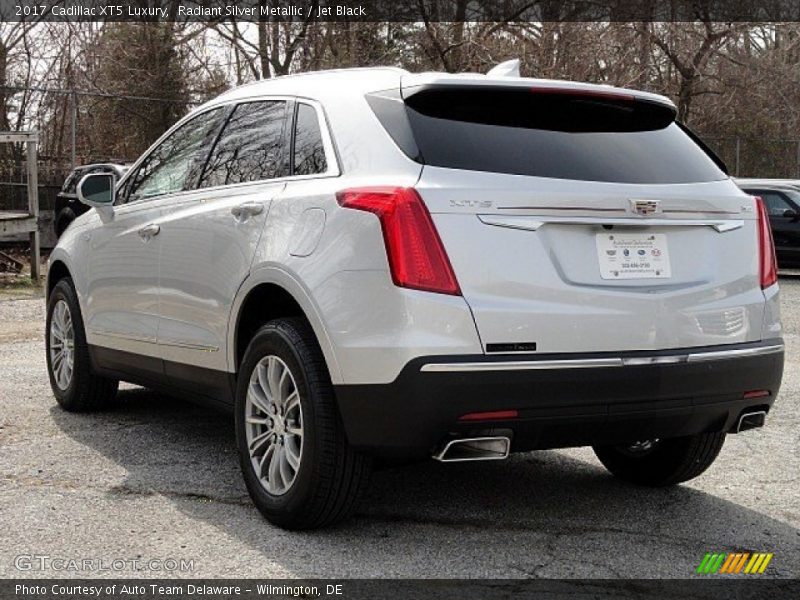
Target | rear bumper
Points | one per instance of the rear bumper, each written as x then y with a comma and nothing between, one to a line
562,400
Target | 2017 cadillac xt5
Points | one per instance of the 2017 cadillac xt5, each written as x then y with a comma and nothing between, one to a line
371,263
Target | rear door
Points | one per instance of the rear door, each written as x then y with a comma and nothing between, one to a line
582,222
209,236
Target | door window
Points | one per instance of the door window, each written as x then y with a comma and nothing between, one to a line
775,201
250,147
71,184
309,152
174,164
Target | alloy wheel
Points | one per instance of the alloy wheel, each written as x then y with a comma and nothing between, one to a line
62,345
274,425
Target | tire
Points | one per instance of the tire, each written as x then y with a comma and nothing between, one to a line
666,462
64,218
319,478
76,389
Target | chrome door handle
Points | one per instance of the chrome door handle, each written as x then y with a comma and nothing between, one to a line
149,231
246,210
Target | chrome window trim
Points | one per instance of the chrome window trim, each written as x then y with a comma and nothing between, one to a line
331,154
595,363
197,192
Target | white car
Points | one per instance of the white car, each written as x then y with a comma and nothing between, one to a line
371,263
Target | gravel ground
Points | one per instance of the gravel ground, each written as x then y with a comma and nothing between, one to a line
154,478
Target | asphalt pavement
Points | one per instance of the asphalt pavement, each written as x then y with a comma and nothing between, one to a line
151,488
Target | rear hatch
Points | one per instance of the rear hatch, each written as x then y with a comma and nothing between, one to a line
581,219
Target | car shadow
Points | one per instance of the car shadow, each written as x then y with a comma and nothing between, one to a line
541,514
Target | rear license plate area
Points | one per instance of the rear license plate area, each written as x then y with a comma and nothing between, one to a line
633,256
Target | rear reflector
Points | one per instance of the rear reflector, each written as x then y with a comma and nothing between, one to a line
755,394
497,415
768,265
417,259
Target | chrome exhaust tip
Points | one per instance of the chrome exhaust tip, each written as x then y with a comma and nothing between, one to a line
751,420
469,449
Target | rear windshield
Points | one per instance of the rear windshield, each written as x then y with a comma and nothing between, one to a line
565,136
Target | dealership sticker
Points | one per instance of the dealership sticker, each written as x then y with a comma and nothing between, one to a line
633,256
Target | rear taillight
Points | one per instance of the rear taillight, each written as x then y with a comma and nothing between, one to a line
416,256
755,394
768,266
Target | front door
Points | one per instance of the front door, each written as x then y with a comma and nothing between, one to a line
121,304
122,301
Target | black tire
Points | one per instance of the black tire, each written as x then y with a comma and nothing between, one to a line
331,476
667,462
62,221
86,391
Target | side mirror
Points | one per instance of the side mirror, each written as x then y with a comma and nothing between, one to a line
97,190
790,213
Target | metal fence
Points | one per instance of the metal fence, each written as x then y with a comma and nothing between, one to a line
758,157
13,184
48,109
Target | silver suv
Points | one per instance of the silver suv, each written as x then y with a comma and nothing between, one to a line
371,264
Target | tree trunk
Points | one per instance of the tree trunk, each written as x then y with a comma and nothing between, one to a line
263,49
455,62
3,95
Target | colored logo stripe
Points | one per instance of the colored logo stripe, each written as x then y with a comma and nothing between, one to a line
734,562
728,562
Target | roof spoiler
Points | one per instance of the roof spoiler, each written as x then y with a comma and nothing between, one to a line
509,68
505,76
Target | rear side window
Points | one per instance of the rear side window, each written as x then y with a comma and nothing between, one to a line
776,202
590,137
308,151
250,147
71,183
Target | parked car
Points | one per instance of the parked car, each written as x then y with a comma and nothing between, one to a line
782,200
67,207
749,181
372,263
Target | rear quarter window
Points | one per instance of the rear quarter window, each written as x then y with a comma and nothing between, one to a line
777,202
308,151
